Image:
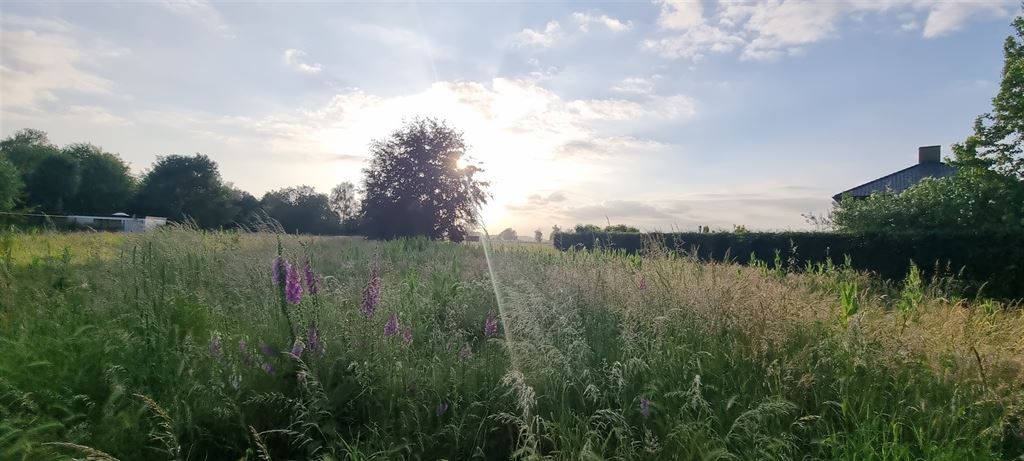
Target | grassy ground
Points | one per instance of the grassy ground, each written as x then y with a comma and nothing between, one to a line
179,345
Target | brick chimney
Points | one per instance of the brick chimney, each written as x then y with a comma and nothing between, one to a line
929,154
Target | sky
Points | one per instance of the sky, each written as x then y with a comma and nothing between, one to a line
663,115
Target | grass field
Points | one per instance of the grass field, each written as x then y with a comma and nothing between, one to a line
182,345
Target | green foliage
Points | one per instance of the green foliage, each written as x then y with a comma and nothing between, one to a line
151,347
621,228
849,304
995,258
414,186
344,202
11,185
54,183
186,188
106,186
301,210
509,235
973,200
998,135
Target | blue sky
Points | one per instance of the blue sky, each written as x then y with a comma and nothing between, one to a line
662,115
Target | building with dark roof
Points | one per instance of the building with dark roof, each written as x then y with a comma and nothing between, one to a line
929,165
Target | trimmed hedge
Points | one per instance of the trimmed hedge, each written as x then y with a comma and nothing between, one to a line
995,258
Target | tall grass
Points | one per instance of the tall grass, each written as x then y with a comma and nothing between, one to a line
175,345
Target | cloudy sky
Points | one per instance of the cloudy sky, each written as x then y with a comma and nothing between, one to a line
659,114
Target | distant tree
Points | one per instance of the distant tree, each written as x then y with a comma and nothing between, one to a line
26,149
622,228
414,185
554,230
54,182
106,182
249,210
301,210
538,236
580,228
509,235
343,200
180,187
10,185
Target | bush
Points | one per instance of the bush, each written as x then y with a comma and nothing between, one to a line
992,262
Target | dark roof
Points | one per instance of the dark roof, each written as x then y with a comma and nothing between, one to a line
900,180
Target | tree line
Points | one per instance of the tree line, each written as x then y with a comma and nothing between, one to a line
412,186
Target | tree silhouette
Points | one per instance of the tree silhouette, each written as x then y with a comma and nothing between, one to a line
302,210
106,182
414,185
180,187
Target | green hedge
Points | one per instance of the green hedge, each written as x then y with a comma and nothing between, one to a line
995,258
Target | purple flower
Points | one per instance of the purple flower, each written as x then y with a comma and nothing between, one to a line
645,407
313,340
311,279
243,347
292,288
465,352
371,294
216,347
407,335
442,408
298,348
391,328
643,282
278,269
490,325
268,368
267,350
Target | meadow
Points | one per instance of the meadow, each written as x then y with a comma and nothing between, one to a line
189,345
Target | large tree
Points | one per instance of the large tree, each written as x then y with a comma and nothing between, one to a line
998,139
10,185
106,181
414,184
301,210
54,182
183,187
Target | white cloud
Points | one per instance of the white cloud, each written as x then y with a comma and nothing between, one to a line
42,59
635,85
948,17
680,14
202,11
400,38
544,38
768,29
296,59
585,20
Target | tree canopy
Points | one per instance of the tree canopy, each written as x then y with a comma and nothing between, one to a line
415,186
106,185
180,187
302,210
10,185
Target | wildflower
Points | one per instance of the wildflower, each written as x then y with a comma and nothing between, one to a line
267,350
298,348
645,407
442,408
268,368
278,270
311,279
407,335
313,339
243,350
465,352
643,282
391,328
490,325
371,294
216,347
292,288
